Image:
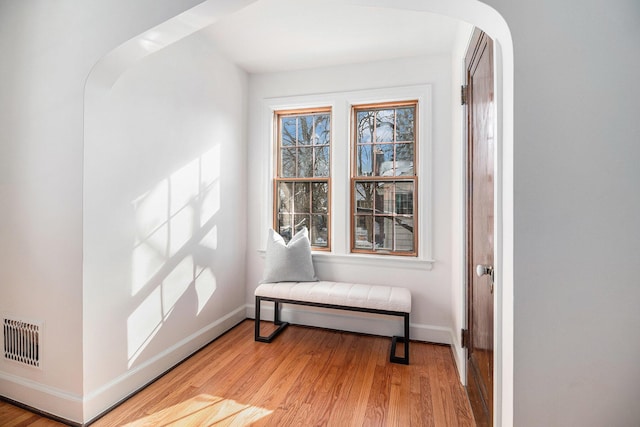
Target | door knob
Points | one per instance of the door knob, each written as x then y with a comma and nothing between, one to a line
482,270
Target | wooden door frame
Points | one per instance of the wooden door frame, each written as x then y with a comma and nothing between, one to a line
497,28
474,39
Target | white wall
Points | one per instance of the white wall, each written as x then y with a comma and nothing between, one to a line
48,49
431,289
577,235
164,198
458,176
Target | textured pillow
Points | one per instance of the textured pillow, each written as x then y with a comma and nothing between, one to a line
289,262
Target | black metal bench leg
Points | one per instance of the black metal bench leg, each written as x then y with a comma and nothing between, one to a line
403,360
276,312
276,321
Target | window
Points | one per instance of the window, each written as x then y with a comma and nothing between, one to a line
302,183
346,165
384,181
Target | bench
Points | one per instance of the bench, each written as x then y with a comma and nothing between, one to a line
387,300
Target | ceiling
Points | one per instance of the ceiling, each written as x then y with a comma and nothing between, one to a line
278,35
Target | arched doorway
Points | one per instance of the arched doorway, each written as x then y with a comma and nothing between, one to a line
108,70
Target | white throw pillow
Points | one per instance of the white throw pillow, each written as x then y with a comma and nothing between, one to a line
289,262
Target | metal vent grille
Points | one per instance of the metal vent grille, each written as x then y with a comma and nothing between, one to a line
22,341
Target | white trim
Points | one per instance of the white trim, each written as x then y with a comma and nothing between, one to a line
50,400
74,407
103,397
340,103
42,388
460,268
459,356
388,261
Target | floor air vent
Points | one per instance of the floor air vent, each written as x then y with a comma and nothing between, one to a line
22,341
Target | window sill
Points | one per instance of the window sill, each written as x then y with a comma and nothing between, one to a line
388,261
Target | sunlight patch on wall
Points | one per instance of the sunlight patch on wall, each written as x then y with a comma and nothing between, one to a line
211,184
181,229
206,282
185,186
170,215
176,284
152,41
206,285
204,410
143,324
174,247
149,252
210,240
151,210
210,202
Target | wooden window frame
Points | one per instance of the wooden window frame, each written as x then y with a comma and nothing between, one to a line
278,179
376,179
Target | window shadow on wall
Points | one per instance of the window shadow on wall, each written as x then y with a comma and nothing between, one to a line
174,251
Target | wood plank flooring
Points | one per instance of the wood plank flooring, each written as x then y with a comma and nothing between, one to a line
306,377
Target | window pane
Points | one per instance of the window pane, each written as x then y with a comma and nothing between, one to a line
323,130
404,198
302,198
364,160
305,162
301,221
404,234
321,165
384,233
384,159
320,197
385,122
385,197
405,124
285,197
284,226
288,131
288,160
383,209
364,197
364,126
404,159
305,130
319,230
363,238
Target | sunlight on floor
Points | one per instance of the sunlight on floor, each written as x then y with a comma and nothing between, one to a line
204,410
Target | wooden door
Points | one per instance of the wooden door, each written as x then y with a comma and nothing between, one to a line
480,217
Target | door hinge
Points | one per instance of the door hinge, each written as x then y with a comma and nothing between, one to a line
463,94
465,338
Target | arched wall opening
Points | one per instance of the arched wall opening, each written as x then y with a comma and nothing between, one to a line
116,64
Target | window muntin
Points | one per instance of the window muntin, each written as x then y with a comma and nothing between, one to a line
302,183
384,181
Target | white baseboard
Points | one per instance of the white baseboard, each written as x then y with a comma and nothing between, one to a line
99,400
47,399
373,324
80,410
84,409
366,323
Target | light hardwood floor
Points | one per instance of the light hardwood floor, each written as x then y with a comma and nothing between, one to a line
306,377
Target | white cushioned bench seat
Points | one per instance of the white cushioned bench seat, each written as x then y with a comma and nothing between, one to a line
374,297
385,300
